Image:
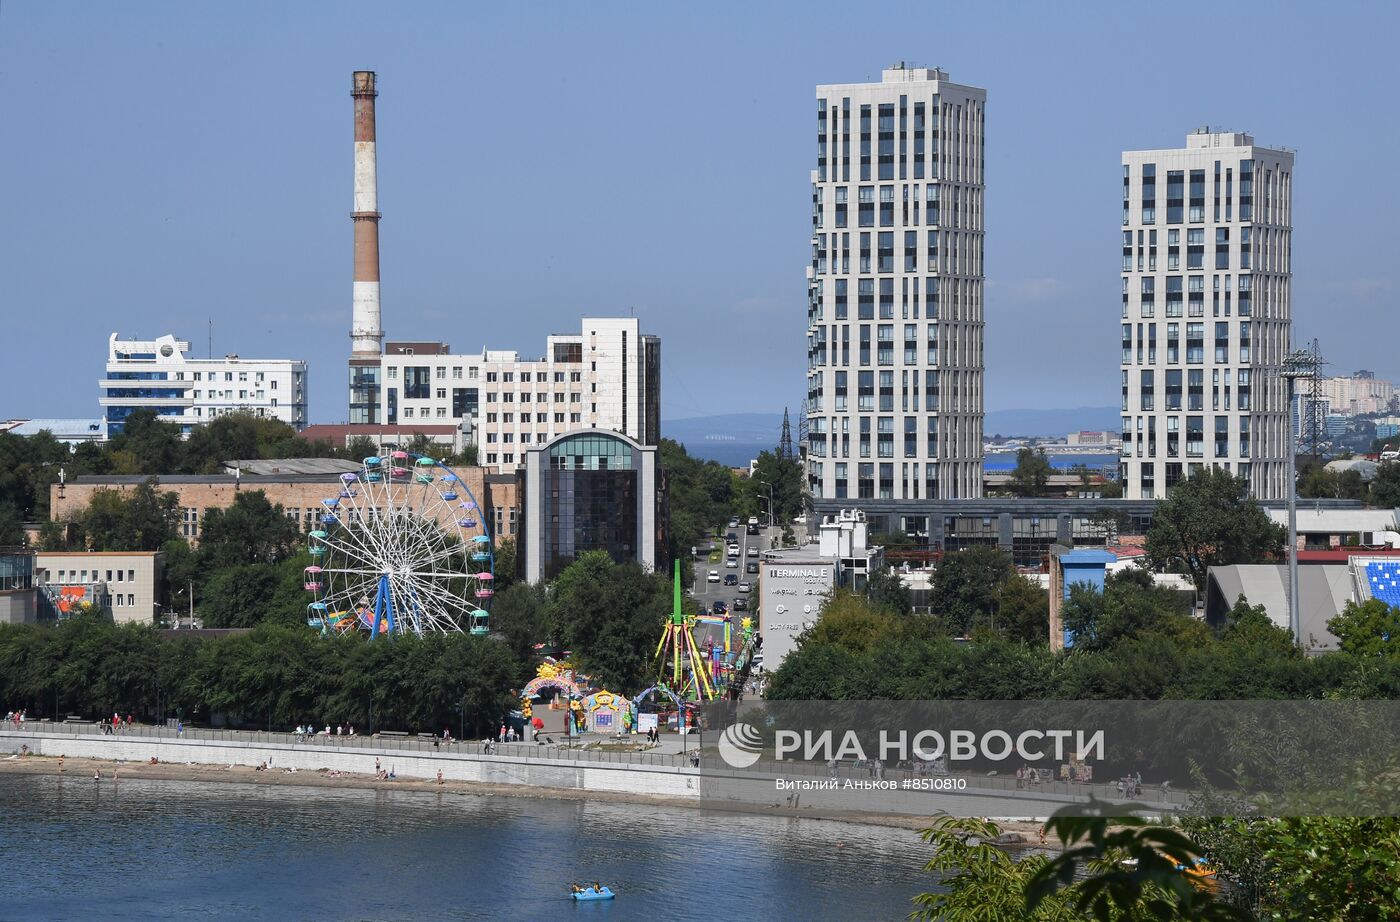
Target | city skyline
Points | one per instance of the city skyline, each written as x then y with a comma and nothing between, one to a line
227,161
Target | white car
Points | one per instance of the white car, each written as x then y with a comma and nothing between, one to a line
753,520
743,587
733,550
732,563
733,523
753,550
714,576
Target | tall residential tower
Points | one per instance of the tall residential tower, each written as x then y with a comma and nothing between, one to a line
1207,271
894,317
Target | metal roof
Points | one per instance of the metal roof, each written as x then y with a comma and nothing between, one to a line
1323,591
259,468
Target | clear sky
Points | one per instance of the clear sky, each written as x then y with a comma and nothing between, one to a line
164,163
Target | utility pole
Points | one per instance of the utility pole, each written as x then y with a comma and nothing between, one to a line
1300,364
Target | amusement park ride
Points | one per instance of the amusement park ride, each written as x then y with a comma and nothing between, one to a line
694,671
402,548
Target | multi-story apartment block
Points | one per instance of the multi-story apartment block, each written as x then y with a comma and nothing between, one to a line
606,377
158,375
894,317
1206,313
1358,393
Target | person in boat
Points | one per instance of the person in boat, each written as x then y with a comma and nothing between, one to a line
575,888
597,887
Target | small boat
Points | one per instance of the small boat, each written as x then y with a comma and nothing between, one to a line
589,893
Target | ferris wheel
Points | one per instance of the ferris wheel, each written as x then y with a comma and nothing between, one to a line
403,548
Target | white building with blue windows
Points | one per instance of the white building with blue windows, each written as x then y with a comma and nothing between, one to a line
160,375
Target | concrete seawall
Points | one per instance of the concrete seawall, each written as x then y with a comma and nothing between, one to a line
547,770
561,774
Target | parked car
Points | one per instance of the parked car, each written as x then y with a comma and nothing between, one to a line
741,604
743,587
751,566
714,576
731,579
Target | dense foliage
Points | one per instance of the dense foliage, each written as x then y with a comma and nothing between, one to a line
276,676
1209,520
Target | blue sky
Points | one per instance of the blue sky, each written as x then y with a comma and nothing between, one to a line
163,163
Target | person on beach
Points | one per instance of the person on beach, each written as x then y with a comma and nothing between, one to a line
439,776
377,765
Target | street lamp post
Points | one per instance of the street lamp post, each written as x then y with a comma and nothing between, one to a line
1298,364
771,517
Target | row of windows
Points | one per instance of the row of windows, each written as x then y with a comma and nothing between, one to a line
78,577
228,376
961,253
961,125
440,373
948,206
1188,440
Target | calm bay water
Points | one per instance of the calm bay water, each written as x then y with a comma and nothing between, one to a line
79,849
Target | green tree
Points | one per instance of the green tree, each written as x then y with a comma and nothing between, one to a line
520,616
849,621
1032,472
888,593
1023,611
1251,626
239,436
610,615
140,520
505,564
1371,628
154,445
1209,520
238,595
786,480
1385,489
966,584
699,497
250,530
982,881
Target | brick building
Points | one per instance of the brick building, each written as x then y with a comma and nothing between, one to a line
299,495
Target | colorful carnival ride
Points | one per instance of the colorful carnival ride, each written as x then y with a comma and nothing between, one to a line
696,670
402,548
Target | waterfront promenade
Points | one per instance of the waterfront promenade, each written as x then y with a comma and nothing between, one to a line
550,770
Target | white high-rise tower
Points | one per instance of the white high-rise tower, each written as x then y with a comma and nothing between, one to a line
894,317
1207,243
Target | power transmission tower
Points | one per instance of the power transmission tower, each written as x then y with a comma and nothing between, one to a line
785,440
1303,368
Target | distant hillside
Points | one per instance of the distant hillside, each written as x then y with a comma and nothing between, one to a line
731,438
1052,422
737,438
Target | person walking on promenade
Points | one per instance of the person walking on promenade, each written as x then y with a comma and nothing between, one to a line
502,737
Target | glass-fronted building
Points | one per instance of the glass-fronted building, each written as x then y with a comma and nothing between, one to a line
18,599
586,491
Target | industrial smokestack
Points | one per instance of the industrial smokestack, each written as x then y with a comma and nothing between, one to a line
366,336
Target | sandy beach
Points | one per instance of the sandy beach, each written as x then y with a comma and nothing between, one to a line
1017,833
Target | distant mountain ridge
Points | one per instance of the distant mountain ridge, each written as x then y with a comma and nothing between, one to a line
736,438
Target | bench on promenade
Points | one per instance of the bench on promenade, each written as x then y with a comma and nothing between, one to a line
393,734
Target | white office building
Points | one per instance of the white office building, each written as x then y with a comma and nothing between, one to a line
160,375
1207,273
895,289
607,376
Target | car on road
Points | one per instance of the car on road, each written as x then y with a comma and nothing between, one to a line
714,576
741,604
753,520
719,607
733,523
743,587
731,579
732,550
753,550
732,563
751,566
753,529
731,537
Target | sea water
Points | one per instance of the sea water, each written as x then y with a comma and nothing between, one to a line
143,849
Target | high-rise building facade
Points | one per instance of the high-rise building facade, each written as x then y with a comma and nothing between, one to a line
894,317
607,376
157,375
1207,243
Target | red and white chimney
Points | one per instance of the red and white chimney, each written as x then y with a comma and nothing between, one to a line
366,335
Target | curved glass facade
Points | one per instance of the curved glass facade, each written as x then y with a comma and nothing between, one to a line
590,494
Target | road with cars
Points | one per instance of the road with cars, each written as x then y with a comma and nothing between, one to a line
735,569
